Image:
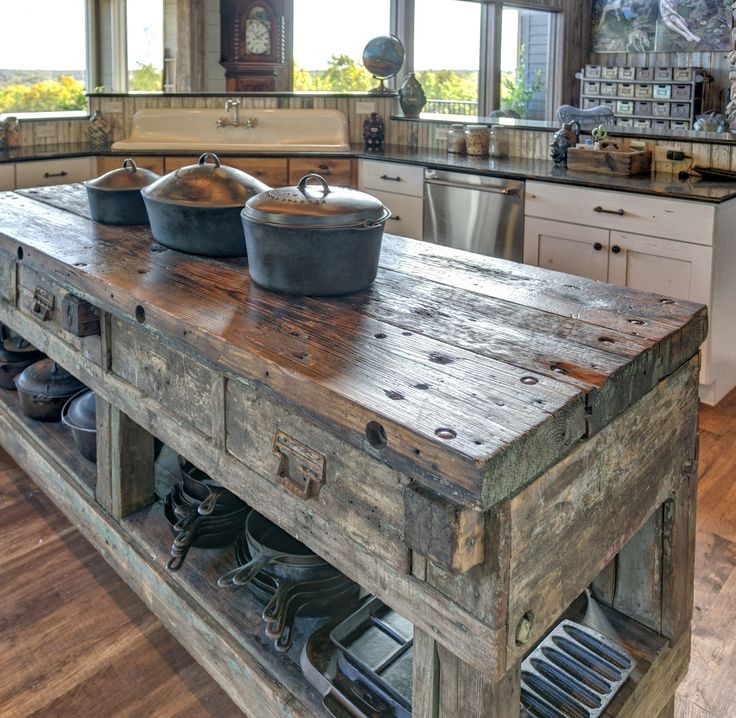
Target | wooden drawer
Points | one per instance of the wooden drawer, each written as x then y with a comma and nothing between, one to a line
49,172
146,162
392,177
44,301
271,170
7,176
406,214
653,216
180,385
335,171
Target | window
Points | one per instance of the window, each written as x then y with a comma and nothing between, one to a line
447,54
145,24
527,46
329,37
47,74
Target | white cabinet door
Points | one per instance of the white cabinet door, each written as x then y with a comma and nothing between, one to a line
406,214
7,176
674,269
39,173
566,247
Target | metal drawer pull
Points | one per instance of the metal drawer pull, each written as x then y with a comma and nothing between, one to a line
301,470
395,217
600,210
390,179
477,187
324,166
48,175
615,249
597,246
42,304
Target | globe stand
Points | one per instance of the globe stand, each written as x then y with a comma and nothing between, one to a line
382,89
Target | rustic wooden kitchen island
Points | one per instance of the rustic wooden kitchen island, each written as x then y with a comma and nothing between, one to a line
472,440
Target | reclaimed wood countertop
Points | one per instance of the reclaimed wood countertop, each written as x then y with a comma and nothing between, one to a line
482,372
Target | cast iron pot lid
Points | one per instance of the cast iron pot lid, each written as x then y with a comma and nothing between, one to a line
82,411
47,378
18,349
205,184
320,206
129,176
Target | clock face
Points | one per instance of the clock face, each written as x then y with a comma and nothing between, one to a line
257,37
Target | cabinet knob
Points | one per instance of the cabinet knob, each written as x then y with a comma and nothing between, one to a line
615,249
597,246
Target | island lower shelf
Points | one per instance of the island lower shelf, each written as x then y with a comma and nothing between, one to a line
222,629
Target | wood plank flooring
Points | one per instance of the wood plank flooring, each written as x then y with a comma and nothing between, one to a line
76,642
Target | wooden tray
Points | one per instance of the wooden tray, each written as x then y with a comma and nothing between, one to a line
610,161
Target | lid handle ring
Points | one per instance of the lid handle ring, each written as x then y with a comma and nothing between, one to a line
130,165
209,156
304,181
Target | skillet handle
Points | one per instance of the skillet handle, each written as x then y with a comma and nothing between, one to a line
242,575
209,504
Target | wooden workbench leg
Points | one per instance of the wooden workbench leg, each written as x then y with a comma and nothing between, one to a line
125,481
669,710
446,687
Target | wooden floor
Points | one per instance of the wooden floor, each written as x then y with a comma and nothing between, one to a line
75,641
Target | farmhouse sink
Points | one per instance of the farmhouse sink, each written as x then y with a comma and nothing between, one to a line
258,131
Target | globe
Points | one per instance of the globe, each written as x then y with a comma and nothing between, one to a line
383,57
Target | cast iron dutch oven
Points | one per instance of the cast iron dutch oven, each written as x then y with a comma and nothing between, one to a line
15,355
196,209
314,241
80,414
115,197
43,389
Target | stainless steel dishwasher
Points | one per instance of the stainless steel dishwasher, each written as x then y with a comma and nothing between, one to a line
475,213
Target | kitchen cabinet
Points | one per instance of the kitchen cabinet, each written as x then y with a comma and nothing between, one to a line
401,188
478,479
335,171
273,171
107,163
7,176
39,173
675,248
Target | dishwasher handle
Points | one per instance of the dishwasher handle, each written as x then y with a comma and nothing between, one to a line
480,187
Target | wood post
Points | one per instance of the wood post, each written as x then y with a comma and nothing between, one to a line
669,710
124,462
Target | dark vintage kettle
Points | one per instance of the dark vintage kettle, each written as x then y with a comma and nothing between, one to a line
567,136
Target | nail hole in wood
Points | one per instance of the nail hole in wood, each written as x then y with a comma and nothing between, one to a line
445,433
140,314
606,340
417,452
376,435
636,321
667,301
557,369
477,442
80,264
393,394
440,358
406,334
20,252
529,380
379,335
421,386
142,271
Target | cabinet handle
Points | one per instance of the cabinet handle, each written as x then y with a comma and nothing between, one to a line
47,175
324,166
600,210
615,249
597,246
390,179
395,217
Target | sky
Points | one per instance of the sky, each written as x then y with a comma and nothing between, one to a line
446,33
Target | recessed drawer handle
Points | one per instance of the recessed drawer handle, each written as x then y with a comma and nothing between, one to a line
390,179
48,175
601,210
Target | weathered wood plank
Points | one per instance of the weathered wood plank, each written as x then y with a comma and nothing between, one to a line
124,462
7,277
629,469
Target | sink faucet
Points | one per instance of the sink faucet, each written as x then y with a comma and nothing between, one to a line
225,121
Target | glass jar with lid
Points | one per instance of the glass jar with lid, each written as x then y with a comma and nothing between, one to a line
477,138
499,144
456,139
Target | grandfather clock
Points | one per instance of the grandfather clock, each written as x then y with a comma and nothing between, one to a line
252,36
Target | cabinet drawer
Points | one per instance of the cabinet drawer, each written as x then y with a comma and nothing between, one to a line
7,176
654,216
406,214
392,177
146,162
335,171
49,172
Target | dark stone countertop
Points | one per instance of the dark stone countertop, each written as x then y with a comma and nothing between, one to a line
513,168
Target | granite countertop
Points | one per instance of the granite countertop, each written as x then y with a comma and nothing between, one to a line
513,168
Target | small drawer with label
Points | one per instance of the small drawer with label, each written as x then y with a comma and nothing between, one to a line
644,73
592,88
590,102
643,124
661,109
682,74
662,74
662,92
609,73
643,90
624,122
608,103
626,89
626,73
680,109
643,108
661,124
681,92
625,107
593,72
679,125
609,89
